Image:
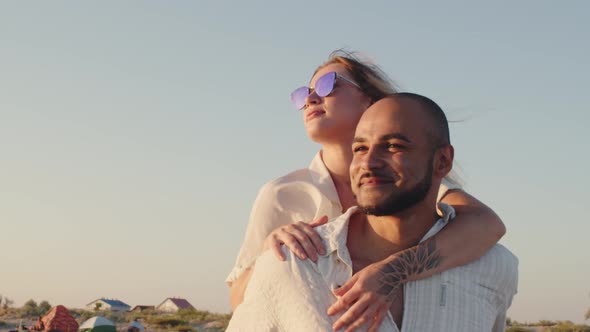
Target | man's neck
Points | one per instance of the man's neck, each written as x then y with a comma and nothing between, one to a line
372,239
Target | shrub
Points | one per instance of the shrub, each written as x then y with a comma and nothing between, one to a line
167,321
29,309
82,315
569,327
144,314
197,316
517,329
185,328
5,303
115,317
544,322
43,308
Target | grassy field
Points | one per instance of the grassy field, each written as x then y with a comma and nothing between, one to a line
186,320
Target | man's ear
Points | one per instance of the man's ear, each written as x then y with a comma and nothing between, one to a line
443,161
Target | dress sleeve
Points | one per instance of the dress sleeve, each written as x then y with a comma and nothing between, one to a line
280,294
447,184
267,214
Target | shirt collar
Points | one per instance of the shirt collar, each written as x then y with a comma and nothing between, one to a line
335,235
446,213
322,179
335,232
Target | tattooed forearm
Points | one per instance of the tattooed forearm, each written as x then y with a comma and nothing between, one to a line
407,264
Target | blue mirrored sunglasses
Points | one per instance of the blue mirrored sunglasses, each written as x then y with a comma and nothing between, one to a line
323,87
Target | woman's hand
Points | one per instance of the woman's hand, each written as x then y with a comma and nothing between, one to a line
372,290
299,237
368,297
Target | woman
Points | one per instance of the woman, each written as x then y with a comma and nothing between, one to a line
343,88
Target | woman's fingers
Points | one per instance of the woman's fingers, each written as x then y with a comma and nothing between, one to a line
293,244
365,317
300,237
379,315
346,287
344,301
314,237
320,221
277,248
354,313
302,233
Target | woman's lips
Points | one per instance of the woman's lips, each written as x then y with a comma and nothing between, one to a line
314,114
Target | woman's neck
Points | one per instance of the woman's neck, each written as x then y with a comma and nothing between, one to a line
337,158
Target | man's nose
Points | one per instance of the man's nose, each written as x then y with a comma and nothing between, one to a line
372,159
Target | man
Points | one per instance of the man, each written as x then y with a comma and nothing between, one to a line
401,151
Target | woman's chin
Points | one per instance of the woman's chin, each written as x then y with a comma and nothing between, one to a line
323,132
320,133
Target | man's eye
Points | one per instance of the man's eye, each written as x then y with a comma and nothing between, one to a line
359,148
395,146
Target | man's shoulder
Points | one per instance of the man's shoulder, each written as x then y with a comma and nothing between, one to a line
499,256
499,266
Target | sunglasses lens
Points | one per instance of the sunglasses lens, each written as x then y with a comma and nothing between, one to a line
298,97
325,84
323,87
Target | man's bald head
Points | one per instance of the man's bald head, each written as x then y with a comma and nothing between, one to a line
438,130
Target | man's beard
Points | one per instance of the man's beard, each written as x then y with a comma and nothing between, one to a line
401,201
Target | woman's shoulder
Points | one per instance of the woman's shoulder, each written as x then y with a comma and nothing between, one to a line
293,179
296,191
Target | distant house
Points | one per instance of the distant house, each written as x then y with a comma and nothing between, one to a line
173,304
140,308
108,304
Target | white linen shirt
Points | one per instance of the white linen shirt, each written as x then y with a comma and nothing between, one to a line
294,295
303,195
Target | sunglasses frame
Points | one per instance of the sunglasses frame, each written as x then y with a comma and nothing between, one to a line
309,90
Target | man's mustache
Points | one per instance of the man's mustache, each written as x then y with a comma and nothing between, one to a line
376,174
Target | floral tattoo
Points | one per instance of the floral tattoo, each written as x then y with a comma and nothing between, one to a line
407,264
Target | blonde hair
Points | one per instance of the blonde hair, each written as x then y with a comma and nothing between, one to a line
372,80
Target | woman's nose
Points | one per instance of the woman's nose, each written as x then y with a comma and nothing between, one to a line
312,99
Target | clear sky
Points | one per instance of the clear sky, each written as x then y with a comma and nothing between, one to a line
135,135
